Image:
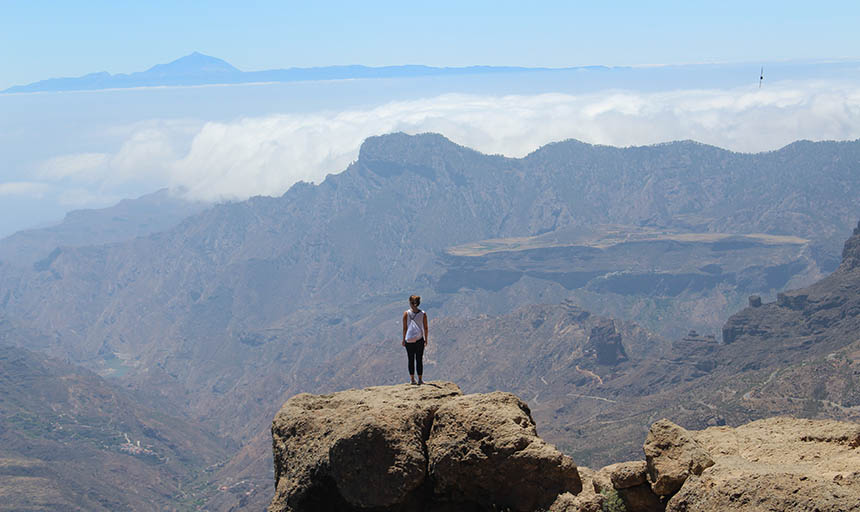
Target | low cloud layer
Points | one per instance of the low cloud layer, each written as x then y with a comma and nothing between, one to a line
31,189
266,155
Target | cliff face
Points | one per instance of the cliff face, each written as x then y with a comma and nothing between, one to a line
823,314
851,252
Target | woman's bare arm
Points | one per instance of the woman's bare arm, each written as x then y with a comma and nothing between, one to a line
405,322
426,333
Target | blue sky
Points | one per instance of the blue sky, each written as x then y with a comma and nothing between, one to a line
44,39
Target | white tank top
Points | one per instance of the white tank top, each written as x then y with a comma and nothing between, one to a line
414,326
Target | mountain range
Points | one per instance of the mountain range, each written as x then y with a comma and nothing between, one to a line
572,276
127,220
199,69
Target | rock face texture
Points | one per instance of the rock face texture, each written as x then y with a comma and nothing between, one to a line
672,455
485,449
851,251
414,448
773,464
430,448
605,343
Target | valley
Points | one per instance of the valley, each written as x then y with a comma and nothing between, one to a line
574,277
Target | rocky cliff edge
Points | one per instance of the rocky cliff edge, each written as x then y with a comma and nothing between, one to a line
430,448
406,448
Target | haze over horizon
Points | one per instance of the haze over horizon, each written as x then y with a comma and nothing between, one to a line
72,40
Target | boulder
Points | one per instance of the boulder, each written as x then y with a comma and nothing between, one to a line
626,474
776,464
353,449
672,454
629,480
370,449
485,449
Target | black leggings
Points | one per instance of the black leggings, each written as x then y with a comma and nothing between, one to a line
415,351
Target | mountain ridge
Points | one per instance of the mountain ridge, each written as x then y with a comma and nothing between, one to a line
127,219
581,78
499,196
199,69
245,301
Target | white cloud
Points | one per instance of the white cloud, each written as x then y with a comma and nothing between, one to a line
80,166
29,189
266,155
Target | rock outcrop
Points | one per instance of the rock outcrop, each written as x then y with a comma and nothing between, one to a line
408,448
485,449
824,310
773,464
605,344
430,448
672,455
851,251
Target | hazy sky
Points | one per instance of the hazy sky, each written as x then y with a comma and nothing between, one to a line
72,150
44,39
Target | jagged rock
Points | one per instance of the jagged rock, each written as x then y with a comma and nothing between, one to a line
485,449
851,251
755,301
357,448
672,454
604,343
776,464
371,449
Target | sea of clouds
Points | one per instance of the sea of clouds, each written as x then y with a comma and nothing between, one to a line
266,154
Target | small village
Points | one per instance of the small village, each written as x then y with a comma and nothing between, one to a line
134,448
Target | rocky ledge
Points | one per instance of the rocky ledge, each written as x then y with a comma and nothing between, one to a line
772,464
430,448
408,448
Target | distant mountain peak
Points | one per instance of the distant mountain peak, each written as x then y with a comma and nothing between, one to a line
403,147
195,62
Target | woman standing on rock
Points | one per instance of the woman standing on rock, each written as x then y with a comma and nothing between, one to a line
415,337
